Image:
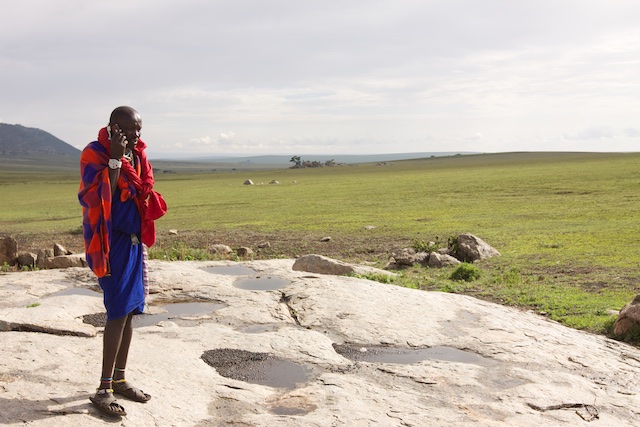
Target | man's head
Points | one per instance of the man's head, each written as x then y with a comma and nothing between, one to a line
129,122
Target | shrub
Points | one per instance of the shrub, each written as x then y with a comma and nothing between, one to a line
465,272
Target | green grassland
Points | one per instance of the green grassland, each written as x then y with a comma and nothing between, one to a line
566,224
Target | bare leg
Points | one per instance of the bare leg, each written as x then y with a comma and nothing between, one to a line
123,351
112,342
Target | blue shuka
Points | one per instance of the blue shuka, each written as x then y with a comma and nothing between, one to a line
124,289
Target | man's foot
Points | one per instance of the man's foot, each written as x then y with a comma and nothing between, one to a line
106,402
123,388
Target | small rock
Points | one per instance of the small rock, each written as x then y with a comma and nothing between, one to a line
264,245
173,232
59,250
437,260
28,259
326,239
248,182
8,251
220,249
244,252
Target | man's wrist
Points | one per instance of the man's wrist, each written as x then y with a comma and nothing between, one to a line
115,163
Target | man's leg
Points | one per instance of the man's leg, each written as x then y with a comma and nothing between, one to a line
123,351
113,338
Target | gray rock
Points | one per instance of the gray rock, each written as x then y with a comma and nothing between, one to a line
323,265
409,257
27,259
8,251
485,365
248,182
59,250
244,252
43,254
628,318
471,248
220,249
438,260
66,261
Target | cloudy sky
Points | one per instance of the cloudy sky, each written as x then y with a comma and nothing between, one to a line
295,77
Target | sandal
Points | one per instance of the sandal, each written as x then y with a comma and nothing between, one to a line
106,402
123,388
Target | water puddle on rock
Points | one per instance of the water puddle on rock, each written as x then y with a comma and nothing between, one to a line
261,283
256,368
231,270
381,354
76,291
259,329
173,311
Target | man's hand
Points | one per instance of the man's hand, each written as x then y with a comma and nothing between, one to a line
118,142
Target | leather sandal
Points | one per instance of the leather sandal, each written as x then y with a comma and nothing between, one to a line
123,388
106,402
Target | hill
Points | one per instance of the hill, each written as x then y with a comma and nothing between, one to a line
24,146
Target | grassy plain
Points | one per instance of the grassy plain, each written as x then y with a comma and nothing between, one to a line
566,224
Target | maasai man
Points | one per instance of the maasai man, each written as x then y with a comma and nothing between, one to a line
119,207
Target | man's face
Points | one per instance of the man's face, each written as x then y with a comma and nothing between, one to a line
131,127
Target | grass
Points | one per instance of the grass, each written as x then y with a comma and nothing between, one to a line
566,224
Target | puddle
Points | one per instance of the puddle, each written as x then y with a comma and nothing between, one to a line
231,270
381,354
284,410
76,291
187,309
256,368
258,329
261,283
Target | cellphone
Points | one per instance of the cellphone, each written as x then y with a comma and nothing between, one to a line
116,128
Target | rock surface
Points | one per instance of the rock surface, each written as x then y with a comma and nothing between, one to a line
489,366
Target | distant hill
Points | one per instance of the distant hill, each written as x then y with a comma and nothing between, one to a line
24,146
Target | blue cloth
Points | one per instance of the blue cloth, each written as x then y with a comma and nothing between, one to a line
124,290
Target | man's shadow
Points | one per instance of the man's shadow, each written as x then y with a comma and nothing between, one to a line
16,411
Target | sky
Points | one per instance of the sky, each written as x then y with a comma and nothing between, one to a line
296,77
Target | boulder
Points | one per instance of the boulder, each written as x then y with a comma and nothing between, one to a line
248,182
8,251
27,259
362,353
43,254
470,248
323,265
244,252
59,250
438,260
628,318
220,249
65,261
408,257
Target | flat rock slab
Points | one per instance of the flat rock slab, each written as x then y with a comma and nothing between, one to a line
510,368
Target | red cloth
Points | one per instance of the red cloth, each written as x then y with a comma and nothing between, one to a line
95,197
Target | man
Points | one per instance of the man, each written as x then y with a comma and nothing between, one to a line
119,207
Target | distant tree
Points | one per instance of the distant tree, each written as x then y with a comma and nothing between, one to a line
297,161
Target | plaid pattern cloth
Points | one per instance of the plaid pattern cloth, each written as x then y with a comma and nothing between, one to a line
94,195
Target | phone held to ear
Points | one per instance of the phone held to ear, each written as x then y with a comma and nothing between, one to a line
109,131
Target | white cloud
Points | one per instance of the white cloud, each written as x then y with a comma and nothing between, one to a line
350,76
